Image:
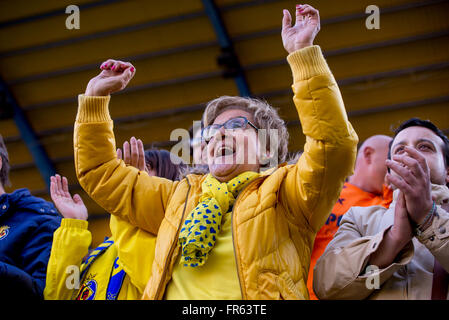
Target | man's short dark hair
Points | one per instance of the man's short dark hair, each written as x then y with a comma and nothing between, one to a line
415,122
4,171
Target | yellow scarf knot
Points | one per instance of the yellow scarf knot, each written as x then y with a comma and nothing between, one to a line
198,235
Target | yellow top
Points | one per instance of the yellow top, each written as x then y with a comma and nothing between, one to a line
217,279
70,244
95,283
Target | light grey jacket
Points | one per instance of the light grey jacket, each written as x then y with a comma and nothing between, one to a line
340,271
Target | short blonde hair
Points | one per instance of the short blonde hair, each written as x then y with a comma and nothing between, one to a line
264,117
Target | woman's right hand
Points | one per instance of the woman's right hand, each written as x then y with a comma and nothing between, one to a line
115,76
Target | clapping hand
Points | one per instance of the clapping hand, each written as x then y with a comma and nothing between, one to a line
413,179
133,154
72,208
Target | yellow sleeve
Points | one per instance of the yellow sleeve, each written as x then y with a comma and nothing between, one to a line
71,243
313,184
121,190
135,250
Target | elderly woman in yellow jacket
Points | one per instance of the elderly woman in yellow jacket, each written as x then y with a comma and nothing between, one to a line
238,232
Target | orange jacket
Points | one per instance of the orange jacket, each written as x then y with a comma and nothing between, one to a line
350,196
275,218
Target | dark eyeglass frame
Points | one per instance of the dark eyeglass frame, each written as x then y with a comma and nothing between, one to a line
218,126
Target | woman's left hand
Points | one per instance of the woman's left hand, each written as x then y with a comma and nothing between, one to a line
302,34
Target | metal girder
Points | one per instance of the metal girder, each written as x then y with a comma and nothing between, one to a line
41,159
228,58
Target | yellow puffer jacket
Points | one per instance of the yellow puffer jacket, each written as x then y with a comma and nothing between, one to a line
275,218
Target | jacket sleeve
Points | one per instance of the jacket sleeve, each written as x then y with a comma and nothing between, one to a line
312,186
436,238
121,190
70,245
36,252
135,249
18,284
340,273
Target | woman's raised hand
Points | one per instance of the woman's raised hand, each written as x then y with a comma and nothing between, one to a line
133,154
115,76
305,29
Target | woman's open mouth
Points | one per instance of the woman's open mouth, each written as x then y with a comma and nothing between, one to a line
225,154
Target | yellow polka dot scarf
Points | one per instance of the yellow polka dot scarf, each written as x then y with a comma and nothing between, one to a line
198,234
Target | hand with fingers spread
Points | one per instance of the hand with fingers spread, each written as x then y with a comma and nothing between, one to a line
305,29
411,174
71,208
115,76
133,154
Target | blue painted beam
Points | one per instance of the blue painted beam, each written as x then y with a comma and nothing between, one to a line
40,157
227,47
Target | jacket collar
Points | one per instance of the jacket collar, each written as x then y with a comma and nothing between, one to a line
9,199
200,177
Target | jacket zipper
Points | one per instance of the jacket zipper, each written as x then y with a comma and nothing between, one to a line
237,261
170,254
174,245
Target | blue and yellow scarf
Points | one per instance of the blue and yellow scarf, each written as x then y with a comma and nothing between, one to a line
198,235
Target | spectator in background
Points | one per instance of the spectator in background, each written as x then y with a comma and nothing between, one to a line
400,252
363,189
27,224
110,271
159,164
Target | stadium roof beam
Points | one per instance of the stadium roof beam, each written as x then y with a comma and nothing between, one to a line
228,58
41,159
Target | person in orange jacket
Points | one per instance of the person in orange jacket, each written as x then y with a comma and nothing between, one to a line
364,188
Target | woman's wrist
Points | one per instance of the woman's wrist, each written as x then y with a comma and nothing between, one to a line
95,93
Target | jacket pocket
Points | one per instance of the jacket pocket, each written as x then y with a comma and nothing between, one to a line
274,286
288,289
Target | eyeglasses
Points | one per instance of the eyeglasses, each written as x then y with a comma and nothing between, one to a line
232,124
